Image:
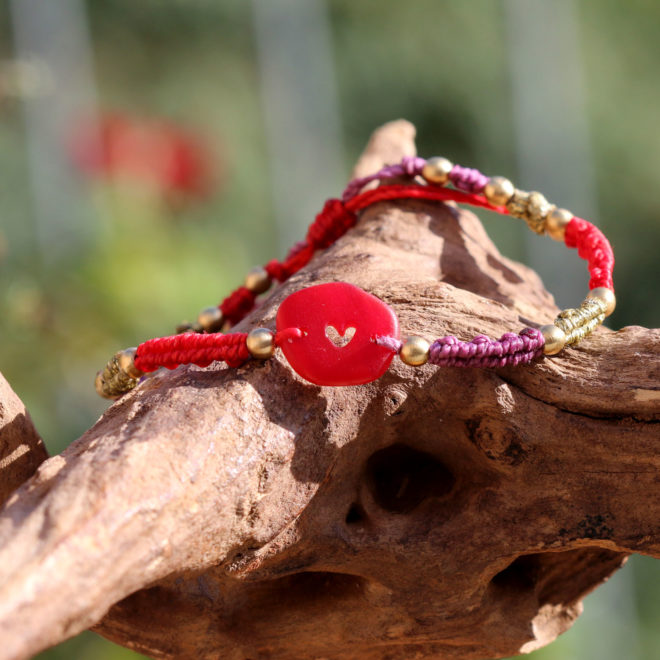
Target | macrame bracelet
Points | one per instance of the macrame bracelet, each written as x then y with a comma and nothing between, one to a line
306,318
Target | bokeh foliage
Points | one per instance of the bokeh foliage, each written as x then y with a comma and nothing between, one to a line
145,266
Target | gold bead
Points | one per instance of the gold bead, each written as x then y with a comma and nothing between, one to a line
499,190
184,327
258,280
538,206
555,339
556,222
126,362
532,207
436,170
210,319
415,351
188,327
606,295
517,205
261,343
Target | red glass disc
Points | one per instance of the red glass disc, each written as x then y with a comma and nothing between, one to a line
316,311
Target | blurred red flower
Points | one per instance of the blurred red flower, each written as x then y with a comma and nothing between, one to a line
154,152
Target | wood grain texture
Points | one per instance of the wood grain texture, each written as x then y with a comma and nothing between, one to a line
21,448
436,513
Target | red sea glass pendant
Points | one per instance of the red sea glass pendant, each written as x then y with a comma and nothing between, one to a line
330,311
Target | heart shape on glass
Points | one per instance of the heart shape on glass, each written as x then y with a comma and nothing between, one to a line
339,340
352,360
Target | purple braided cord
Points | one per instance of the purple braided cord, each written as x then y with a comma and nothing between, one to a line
410,166
392,343
510,349
467,179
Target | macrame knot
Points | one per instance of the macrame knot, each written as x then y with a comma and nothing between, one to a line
593,246
448,341
330,224
298,257
482,351
191,348
276,270
468,179
534,337
237,304
412,165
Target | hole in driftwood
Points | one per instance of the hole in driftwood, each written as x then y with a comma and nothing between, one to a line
313,586
519,575
401,478
355,514
558,577
338,339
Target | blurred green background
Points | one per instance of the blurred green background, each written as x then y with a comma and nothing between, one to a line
283,94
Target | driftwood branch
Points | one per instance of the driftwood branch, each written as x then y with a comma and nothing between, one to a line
433,513
21,448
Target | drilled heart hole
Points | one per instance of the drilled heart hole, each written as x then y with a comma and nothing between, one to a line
337,339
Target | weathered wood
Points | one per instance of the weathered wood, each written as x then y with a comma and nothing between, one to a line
21,448
440,513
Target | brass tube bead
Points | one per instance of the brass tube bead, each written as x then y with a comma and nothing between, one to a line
437,170
532,207
556,222
578,333
113,381
211,319
555,339
261,343
606,296
538,207
258,280
415,351
517,205
499,190
578,323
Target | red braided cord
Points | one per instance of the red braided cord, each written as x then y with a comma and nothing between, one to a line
192,348
237,304
431,193
330,224
337,218
595,248
292,264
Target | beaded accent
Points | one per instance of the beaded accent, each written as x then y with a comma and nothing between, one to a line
580,322
200,344
113,381
532,207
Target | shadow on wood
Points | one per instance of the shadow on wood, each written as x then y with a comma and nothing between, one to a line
433,513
